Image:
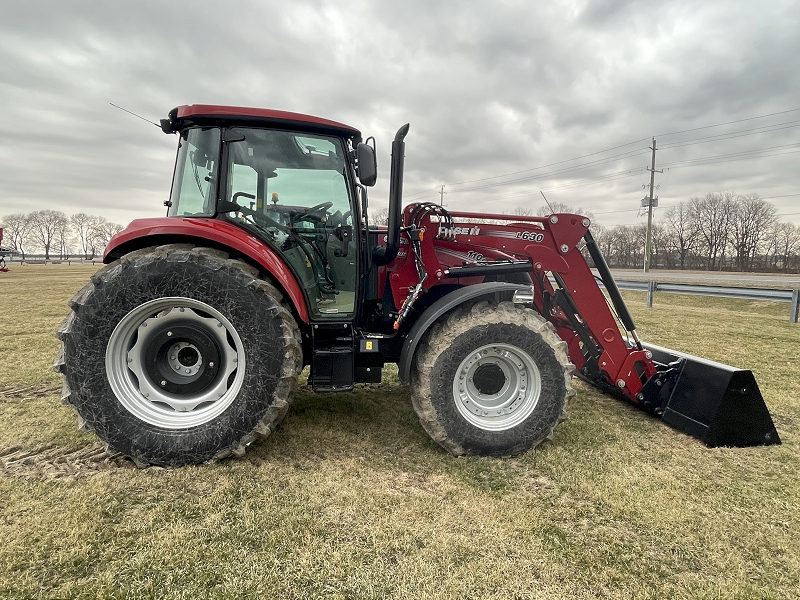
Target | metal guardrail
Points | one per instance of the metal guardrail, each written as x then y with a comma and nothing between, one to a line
651,287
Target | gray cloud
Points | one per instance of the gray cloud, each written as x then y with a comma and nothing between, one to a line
488,88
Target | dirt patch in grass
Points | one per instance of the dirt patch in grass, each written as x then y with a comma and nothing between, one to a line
23,392
58,462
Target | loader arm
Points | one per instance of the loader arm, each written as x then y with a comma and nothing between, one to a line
463,248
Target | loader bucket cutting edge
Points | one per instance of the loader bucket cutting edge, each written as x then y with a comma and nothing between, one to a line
716,403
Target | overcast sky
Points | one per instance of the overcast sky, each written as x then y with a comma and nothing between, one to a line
489,88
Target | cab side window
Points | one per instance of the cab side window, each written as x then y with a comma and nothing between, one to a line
293,190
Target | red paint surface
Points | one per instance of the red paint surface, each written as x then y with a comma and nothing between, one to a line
192,110
222,233
551,246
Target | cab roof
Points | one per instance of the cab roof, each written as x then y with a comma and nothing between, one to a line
211,114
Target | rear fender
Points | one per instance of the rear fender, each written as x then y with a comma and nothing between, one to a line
444,305
142,233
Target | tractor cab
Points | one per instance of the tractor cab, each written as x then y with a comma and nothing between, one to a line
291,188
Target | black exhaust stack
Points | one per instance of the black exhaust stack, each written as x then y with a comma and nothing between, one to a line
383,255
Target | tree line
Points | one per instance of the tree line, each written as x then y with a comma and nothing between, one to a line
57,234
720,231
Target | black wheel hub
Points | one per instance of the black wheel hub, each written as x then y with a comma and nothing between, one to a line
182,359
188,356
489,379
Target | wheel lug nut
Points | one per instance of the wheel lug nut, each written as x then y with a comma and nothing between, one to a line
211,364
188,370
169,334
163,382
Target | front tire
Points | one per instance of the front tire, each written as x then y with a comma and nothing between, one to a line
179,355
491,380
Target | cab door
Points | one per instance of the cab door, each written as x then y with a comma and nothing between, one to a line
296,187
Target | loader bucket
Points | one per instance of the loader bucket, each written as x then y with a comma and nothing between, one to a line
716,403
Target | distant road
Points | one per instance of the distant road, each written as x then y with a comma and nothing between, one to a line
750,280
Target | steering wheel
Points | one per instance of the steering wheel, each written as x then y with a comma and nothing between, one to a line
317,211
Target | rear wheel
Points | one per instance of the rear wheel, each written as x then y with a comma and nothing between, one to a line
179,355
491,380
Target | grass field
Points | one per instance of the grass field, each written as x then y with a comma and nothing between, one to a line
351,499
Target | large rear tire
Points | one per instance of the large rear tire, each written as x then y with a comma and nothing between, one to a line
491,380
179,355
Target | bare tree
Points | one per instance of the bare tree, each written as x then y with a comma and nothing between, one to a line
560,207
785,246
16,231
45,225
751,221
82,226
623,246
661,246
683,229
102,230
380,216
605,240
523,212
712,215
64,239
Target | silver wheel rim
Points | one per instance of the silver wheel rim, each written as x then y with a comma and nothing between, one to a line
505,391
169,391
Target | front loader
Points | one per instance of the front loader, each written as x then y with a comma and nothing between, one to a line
186,347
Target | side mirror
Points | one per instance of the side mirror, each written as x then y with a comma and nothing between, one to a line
367,164
199,158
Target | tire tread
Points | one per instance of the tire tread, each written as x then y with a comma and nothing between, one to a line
440,337
247,275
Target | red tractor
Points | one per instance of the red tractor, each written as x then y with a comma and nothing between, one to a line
187,346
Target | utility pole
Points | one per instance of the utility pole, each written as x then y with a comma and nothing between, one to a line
441,196
648,247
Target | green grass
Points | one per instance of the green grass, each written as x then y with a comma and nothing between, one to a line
350,499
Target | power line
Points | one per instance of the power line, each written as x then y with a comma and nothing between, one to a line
640,140
612,212
731,135
783,112
418,193
629,144
698,162
578,183
745,155
563,171
733,159
744,152
549,165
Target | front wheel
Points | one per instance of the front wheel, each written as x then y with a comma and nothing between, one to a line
491,380
179,355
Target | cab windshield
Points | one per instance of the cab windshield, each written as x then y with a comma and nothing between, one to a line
194,183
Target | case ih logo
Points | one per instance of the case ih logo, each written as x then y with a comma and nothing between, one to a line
533,236
452,232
